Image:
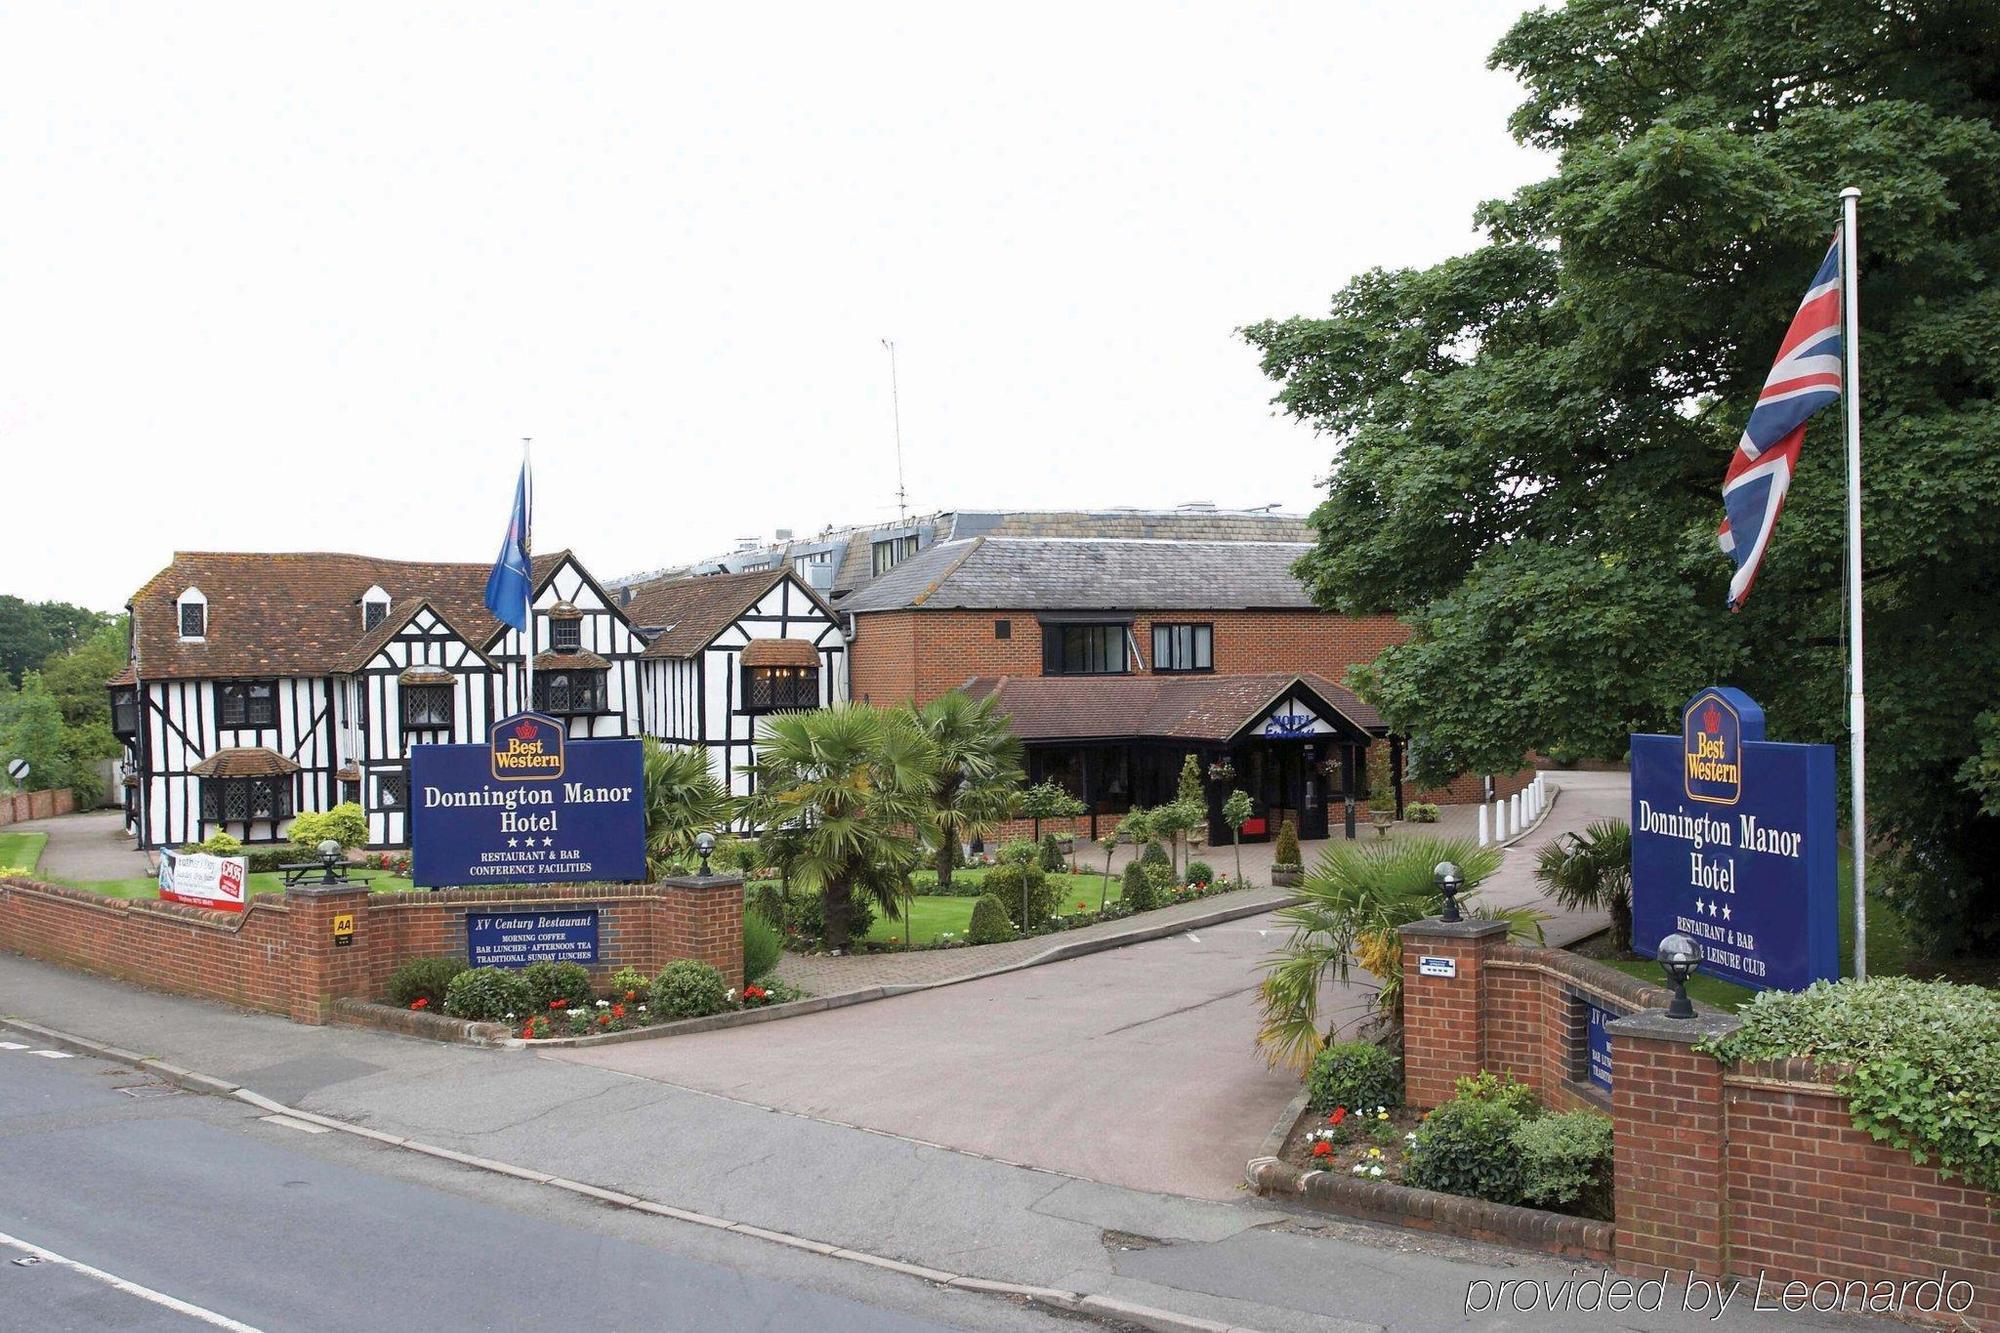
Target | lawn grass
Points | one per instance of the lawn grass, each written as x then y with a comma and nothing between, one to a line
263,882
932,915
22,849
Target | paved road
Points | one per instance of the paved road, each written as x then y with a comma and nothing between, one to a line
127,1205
87,846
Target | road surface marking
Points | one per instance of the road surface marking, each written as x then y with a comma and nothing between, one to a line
13,1046
1196,938
53,1055
117,1283
290,1123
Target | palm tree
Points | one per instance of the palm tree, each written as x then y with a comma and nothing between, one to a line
683,799
1593,869
1351,904
978,770
840,787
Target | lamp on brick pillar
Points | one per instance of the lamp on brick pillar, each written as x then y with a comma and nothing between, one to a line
1679,955
1449,880
704,844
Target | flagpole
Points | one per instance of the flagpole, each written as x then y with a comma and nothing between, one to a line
528,597
1850,341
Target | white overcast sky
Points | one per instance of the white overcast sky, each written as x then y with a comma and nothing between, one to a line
295,277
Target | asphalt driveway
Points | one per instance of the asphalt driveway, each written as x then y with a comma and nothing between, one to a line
1136,1066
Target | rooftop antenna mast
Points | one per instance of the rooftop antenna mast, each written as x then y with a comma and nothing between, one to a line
896,407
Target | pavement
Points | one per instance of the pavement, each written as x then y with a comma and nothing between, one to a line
87,846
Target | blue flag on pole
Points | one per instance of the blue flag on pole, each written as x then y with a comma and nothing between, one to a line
508,586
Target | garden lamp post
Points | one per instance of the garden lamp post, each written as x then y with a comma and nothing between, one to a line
1679,955
329,855
704,843
1449,880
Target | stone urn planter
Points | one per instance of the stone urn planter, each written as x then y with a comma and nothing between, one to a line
1286,877
1382,820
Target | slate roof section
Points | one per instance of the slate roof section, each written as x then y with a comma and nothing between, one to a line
1196,708
299,613
995,573
688,613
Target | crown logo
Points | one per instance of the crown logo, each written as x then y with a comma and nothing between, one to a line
1711,720
527,731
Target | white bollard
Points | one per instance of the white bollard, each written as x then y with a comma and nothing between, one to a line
1514,813
1499,819
1482,826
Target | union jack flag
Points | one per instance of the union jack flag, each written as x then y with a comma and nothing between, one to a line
1805,379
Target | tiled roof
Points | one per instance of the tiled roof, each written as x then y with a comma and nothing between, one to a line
780,652
244,761
690,612
1205,708
128,676
299,614
579,661
418,675
1072,574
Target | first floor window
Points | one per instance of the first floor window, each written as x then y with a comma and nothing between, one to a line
767,689
246,703
350,793
125,712
426,707
1183,647
570,693
239,800
1083,650
565,636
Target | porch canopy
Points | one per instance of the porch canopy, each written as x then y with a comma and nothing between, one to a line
1293,741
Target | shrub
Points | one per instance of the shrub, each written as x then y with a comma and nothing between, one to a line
1019,852
487,995
923,881
1566,1162
1354,1074
1499,1089
548,982
991,923
1012,884
1924,1061
1286,852
689,988
630,981
1156,855
346,824
1142,893
1421,812
426,979
1052,856
763,946
767,900
1200,872
1466,1147
217,844
805,917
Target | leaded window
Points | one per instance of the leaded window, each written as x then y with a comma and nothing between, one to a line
570,693
769,689
246,703
373,614
427,707
241,800
566,636
392,790
125,712
194,620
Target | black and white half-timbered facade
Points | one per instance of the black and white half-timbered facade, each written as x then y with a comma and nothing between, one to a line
727,650
262,685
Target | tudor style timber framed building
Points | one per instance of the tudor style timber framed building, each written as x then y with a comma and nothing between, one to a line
262,685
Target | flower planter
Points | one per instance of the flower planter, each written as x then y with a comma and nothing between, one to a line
1382,820
1286,877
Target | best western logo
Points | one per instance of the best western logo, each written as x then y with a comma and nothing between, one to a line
528,749
1712,736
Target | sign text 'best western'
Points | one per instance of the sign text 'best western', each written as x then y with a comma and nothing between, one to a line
530,805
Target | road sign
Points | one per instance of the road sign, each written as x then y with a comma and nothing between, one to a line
17,769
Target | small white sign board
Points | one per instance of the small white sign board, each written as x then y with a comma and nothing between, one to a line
201,880
1431,966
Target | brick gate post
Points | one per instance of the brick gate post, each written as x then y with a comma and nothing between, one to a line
701,916
1668,1147
323,967
1444,1016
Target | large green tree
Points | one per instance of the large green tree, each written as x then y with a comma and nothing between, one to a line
1531,437
33,632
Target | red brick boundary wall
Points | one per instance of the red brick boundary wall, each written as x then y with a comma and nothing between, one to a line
36,805
1749,1171
281,955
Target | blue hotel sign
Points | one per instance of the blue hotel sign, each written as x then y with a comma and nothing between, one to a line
516,939
1733,846
529,805
1599,1045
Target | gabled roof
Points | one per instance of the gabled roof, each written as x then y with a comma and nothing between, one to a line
299,613
1091,574
689,613
1200,708
401,614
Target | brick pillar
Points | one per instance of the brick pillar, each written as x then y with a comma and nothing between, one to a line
1444,1021
701,916
1668,1151
322,968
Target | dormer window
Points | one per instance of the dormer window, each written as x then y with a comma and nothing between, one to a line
565,628
374,608
193,616
893,551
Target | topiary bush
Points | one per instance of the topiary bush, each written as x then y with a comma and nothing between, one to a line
1922,1057
1354,1074
1421,812
689,988
990,922
1142,893
487,995
1028,894
1199,872
1156,855
549,982
1466,1147
425,979
1566,1163
763,946
1052,861
1286,852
